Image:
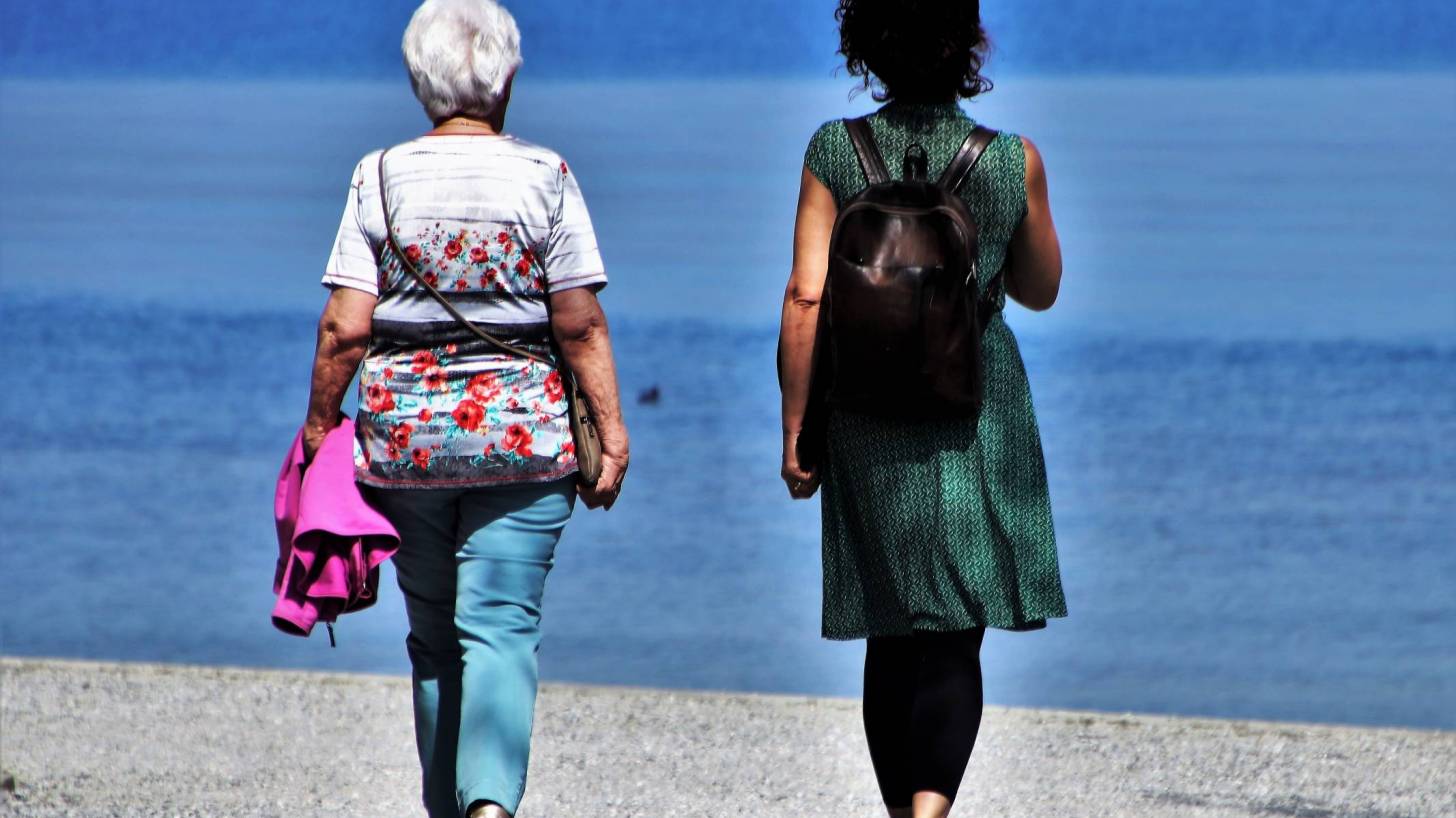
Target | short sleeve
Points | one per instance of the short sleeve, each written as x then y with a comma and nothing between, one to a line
822,152
571,257
352,263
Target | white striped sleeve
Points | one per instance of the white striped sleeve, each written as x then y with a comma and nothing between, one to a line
572,258
352,263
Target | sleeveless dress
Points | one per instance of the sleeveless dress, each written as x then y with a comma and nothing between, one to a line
940,525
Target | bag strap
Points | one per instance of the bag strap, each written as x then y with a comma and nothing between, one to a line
870,160
965,160
409,267
951,179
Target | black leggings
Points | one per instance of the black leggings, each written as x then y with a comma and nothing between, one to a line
922,710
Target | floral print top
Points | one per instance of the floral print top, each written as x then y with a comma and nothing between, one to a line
496,224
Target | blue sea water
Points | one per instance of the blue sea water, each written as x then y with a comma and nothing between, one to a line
1247,393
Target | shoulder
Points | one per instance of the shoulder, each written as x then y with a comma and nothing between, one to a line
829,134
367,168
829,142
541,157
1010,152
1035,169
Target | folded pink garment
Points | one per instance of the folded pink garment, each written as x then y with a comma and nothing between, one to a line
330,541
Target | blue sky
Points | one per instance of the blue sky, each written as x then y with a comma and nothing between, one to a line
592,38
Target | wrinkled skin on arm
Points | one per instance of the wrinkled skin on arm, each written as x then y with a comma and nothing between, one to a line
580,327
343,337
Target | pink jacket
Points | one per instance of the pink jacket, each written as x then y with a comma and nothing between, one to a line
330,541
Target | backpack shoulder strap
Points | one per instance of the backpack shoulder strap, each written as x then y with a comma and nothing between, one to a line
966,158
870,160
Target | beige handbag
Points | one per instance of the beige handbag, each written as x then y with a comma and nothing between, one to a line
583,425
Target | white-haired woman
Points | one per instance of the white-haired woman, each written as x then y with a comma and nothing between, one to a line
467,449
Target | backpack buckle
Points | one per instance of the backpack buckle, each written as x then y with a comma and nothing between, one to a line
915,166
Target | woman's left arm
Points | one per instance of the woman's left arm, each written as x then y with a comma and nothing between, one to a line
1034,274
580,327
343,337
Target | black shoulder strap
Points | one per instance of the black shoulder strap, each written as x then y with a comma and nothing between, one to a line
870,160
966,158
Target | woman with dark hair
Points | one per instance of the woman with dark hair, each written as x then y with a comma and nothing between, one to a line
934,529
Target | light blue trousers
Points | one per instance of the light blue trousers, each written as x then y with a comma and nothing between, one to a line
472,565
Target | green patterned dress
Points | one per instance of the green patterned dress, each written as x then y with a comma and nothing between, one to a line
942,525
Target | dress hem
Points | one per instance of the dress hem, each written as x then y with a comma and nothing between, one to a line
1022,627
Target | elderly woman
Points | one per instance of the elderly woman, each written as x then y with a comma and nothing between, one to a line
467,448
934,529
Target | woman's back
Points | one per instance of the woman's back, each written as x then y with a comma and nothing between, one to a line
940,525
995,190
497,225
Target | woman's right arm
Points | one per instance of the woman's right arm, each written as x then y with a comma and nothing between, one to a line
343,337
1034,273
812,228
580,327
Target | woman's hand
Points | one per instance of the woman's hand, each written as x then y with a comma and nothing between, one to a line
313,439
801,482
614,469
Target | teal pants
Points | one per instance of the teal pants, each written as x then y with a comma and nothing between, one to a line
472,565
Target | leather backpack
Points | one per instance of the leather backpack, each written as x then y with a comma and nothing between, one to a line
901,312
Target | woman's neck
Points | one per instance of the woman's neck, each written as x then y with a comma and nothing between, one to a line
932,102
470,125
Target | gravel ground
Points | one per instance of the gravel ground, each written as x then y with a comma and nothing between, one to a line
88,739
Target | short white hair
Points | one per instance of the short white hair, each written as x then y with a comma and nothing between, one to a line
460,54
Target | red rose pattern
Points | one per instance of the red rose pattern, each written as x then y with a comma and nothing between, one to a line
484,387
555,391
422,360
503,414
399,436
378,398
468,414
434,379
517,439
450,257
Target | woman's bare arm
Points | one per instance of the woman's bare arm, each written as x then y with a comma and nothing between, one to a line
1034,270
812,227
580,327
343,336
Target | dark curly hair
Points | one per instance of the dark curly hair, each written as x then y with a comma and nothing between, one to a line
915,50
